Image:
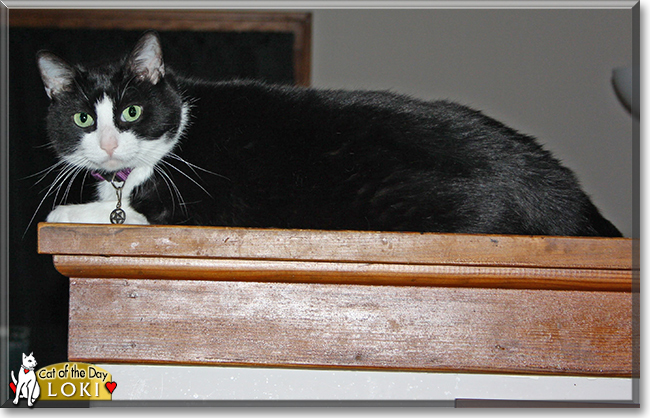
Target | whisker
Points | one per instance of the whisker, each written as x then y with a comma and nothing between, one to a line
83,184
126,87
69,173
81,90
163,175
193,166
56,184
181,199
47,171
70,182
57,179
188,177
173,189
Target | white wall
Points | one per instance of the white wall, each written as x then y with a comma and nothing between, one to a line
192,383
543,72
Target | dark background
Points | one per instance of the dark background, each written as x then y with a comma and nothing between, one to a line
38,294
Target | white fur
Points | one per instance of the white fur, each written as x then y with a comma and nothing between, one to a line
26,385
94,213
130,152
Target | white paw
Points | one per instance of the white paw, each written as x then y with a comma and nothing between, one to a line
64,214
93,213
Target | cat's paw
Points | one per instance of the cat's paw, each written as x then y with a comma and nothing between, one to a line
62,214
135,218
93,213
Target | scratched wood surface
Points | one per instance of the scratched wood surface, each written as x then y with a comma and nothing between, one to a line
343,273
367,327
346,246
343,257
368,300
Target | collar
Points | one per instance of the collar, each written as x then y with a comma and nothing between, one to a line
120,175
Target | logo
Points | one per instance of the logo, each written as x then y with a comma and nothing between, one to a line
61,382
26,386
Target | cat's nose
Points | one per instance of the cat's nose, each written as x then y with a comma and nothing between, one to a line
108,144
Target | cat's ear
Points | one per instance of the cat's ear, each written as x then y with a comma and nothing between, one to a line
146,60
57,74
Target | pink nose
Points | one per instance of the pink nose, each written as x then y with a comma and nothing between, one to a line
108,144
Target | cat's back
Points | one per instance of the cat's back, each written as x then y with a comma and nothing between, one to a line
241,109
372,130
390,159
351,113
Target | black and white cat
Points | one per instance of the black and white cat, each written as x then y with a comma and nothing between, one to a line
244,153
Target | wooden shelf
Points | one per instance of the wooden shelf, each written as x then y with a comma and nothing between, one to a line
348,299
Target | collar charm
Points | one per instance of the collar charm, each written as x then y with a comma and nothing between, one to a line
118,216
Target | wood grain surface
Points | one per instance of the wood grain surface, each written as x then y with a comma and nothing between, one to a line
368,327
395,274
338,246
348,299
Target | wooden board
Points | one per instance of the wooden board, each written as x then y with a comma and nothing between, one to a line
368,327
339,246
343,273
343,257
348,299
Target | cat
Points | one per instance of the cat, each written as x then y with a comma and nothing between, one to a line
245,153
26,386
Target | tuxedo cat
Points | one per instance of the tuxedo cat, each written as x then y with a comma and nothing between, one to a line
174,150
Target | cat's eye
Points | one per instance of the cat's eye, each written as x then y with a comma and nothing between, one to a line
83,120
131,113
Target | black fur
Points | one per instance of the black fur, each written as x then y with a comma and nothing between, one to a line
291,157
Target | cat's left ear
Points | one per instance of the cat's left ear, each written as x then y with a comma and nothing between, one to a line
57,74
146,61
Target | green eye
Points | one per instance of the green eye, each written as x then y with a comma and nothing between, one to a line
83,120
131,113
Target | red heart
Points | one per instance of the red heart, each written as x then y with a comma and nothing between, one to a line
111,386
26,371
12,386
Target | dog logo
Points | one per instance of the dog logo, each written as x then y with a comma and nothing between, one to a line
26,386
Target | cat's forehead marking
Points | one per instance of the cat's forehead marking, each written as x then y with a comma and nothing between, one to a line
104,111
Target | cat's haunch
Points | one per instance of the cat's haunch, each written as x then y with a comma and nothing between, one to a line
250,154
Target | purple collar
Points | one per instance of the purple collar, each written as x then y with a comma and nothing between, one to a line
120,175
